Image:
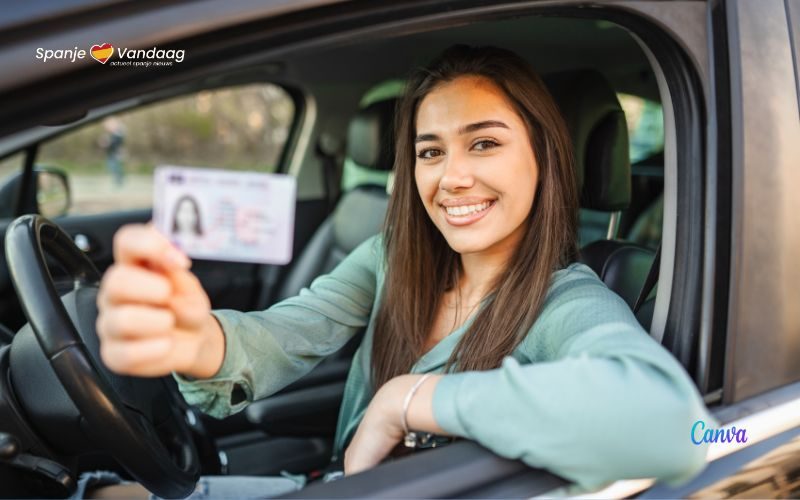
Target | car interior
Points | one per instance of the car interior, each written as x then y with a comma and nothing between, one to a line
341,150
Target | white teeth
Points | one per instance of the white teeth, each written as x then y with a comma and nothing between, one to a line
467,209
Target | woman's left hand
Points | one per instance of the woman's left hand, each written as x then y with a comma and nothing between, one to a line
381,429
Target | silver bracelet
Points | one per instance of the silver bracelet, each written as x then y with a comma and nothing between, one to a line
409,436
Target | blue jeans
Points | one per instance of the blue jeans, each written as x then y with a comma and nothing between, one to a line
240,487
114,164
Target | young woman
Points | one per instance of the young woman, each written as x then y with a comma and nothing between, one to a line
472,289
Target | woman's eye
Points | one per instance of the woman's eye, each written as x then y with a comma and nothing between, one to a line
485,144
429,153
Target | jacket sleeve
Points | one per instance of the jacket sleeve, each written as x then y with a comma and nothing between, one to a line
603,401
267,350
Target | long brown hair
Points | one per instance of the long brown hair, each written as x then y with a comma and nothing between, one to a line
421,266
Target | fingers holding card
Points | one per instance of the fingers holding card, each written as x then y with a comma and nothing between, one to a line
216,214
143,244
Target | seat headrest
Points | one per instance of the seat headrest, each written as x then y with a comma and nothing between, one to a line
370,137
599,135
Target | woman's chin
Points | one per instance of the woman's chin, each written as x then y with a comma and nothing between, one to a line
468,243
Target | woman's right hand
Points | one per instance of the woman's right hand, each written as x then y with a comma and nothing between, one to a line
154,316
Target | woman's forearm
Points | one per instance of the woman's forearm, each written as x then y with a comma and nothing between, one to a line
381,428
420,410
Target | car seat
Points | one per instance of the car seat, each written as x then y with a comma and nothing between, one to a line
359,213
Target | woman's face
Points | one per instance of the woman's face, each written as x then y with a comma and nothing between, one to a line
186,217
475,169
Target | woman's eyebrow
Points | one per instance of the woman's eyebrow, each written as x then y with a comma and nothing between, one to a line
472,127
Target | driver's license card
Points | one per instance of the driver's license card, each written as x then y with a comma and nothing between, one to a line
226,215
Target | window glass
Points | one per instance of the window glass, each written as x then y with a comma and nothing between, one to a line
110,163
645,126
11,165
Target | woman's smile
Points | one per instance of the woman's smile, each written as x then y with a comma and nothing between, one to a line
465,212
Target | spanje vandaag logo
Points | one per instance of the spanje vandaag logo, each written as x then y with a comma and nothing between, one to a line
115,56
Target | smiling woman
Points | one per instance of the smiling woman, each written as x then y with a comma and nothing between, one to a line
475,309
487,134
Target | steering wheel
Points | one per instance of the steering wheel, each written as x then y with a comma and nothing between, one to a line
135,420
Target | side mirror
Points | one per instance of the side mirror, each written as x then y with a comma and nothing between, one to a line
52,192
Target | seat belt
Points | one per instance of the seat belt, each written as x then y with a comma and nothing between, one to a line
268,278
650,281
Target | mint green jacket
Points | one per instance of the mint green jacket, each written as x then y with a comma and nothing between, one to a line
588,394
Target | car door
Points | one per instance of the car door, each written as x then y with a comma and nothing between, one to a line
760,383
752,376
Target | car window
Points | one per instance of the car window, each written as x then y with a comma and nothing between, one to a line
645,126
11,165
110,163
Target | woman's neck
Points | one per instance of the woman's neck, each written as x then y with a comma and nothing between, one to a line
479,272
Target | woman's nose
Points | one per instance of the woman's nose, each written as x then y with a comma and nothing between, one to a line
457,174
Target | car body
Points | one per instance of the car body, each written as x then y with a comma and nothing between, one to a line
724,72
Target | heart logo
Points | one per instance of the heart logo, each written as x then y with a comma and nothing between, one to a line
102,53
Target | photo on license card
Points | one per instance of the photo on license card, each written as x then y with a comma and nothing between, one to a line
215,214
